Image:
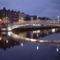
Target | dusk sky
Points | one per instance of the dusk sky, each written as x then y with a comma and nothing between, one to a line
23,5
38,7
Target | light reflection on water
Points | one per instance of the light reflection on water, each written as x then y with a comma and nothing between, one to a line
22,49
28,36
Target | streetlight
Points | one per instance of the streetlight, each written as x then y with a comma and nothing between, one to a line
58,18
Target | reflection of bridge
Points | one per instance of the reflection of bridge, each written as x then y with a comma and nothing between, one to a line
39,41
53,24
35,23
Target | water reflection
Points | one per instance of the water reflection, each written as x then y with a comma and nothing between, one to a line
57,49
7,42
37,47
9,33
21,44
11,39
41,33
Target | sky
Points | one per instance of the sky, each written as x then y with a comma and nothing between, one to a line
23,5
20,4
49,8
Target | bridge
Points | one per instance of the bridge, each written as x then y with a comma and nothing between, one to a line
39,23
35,23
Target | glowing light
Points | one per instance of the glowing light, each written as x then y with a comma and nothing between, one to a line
9,28
34,31
9,33
58,17
39,24
0,20
53,30
6,41
33,24
22,44
27,39
41,41
37,47
0,38
33,40
57,49
38,31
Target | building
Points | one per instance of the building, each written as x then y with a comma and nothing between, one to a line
12,15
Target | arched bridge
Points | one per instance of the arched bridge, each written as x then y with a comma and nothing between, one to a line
35,23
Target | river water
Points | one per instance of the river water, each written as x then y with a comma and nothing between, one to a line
12,48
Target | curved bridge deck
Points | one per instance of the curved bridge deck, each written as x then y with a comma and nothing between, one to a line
36,24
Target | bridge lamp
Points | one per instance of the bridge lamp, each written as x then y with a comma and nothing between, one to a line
9,28
9,33
58,18
38,31
53,30
34,31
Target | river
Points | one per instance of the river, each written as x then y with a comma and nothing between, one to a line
12,48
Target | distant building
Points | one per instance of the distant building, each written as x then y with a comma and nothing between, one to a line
16,16
12,15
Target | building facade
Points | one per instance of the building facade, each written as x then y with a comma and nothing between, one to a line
12,15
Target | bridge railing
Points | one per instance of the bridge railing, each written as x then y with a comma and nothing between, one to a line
36,23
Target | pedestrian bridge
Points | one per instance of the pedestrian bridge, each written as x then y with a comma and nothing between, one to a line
31,24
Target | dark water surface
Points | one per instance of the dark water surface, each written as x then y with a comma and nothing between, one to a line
13,49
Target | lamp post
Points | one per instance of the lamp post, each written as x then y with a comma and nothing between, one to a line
58,18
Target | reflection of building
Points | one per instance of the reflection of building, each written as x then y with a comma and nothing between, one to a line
7,43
